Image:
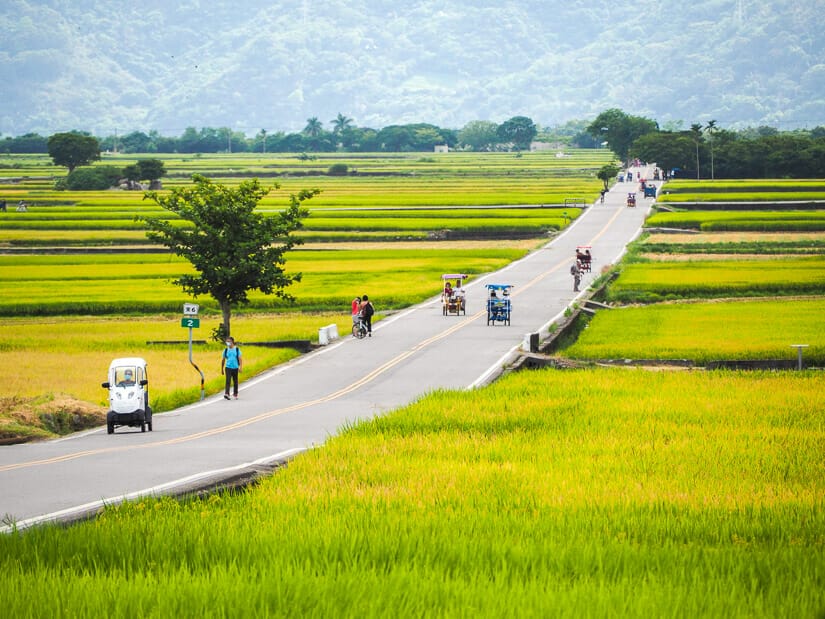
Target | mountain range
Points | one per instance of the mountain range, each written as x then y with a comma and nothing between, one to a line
114,66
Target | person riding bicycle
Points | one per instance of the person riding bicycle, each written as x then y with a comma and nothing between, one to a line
366,312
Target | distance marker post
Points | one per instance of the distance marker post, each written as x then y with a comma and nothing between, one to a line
191,321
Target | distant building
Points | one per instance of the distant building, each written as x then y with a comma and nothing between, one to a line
534,146
442,148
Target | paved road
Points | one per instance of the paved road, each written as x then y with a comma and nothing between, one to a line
298,405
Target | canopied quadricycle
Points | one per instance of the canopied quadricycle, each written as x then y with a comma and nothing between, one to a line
453,300
498,303
584,259
128,387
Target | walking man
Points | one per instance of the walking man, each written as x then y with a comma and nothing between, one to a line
232,363
575,271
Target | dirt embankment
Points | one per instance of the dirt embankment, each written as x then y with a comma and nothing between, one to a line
30,419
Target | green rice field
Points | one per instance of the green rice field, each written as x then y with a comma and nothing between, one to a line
596,492
142,283
656,281
757,221
587,493
703,332
385,198
779,190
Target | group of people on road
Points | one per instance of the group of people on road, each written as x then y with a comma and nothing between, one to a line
362,311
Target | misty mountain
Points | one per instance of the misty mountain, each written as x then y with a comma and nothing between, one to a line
115,66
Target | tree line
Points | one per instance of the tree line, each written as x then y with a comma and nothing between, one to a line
706,151
703,151
516,133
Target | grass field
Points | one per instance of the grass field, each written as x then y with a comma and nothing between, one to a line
697,494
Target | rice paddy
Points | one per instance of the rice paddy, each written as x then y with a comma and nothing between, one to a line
581,493
593,492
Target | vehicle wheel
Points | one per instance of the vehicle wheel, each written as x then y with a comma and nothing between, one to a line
110,428
143,427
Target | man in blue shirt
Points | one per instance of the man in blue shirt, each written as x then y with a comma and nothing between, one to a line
231,364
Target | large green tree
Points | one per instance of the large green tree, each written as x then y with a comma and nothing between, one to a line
620,130
668,150
519,130
480,135
73,149
233,249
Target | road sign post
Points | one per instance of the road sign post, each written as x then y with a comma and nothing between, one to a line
191,321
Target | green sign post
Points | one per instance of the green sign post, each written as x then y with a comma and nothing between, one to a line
191,321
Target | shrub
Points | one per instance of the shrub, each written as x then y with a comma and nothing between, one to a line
97,178
338,169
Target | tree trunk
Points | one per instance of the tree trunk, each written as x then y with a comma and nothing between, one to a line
226,310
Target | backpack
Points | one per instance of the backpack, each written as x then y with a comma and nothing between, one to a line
369,310
237,354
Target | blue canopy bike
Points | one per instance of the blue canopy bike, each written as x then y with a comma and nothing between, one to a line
498,303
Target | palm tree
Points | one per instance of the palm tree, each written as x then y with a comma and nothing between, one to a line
711,129
314,127
696,132
340,124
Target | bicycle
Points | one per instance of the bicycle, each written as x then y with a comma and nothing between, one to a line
359,329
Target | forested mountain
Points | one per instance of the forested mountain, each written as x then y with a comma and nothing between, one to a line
118,65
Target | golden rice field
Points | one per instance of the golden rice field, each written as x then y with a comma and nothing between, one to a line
586,493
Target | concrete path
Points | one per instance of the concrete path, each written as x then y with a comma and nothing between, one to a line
298,405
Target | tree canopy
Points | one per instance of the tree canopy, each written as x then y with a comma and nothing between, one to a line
620,130
233,249
479,135
607,173
519,130
73,149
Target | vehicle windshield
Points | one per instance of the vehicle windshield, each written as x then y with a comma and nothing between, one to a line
128,375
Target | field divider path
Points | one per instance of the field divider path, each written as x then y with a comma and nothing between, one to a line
411,353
